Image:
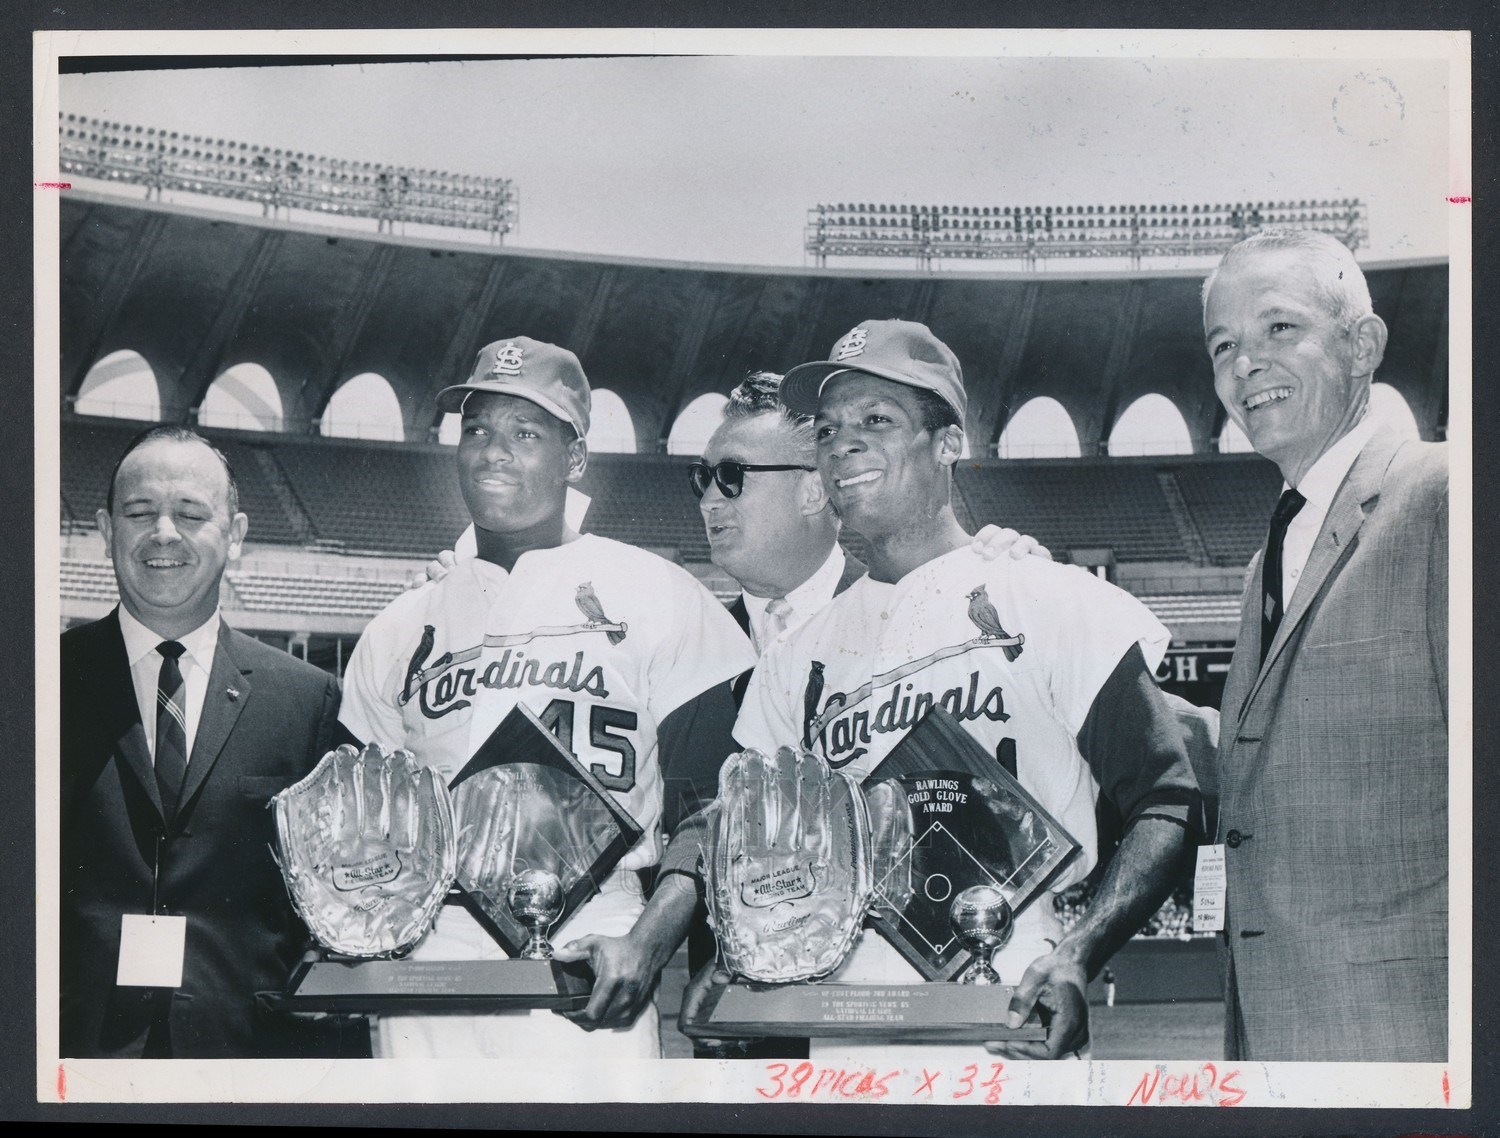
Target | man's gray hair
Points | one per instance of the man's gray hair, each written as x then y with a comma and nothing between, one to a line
1339,281
758,395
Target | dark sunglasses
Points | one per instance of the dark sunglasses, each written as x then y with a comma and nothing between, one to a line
730,475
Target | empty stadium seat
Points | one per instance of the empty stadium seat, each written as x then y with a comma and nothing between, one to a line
315,595
377,497
1073,504
1230,499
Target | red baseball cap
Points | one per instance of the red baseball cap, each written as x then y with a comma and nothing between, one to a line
549,376
902,351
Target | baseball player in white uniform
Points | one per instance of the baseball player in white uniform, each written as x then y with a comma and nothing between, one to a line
1046,665
620,653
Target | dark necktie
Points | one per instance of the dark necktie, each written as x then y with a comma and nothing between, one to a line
1272,606
171,727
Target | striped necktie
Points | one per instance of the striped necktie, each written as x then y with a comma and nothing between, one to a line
778,613
171,727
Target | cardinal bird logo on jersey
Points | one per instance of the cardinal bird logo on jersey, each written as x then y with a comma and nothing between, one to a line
987,620
810,697
588,604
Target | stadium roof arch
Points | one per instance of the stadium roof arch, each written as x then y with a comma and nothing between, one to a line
194,292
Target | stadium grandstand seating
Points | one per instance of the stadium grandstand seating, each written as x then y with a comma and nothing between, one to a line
1230,499
88,581
1069,504
333,596
644,500
377,497
402,499
1175,609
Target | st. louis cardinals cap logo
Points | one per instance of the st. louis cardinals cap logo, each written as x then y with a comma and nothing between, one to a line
850,346
507,360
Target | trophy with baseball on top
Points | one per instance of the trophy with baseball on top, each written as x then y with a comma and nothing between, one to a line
371,845
937,851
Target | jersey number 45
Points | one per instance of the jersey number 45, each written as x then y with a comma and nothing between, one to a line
615,774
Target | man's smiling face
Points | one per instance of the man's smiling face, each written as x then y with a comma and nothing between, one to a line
880,465
170,534
1284,368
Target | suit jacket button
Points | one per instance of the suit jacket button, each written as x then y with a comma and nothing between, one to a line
1232,839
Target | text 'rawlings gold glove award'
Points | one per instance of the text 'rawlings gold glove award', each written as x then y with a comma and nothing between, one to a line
938,850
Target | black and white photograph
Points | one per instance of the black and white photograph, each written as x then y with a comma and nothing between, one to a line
845,566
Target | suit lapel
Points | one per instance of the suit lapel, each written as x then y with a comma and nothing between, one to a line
1334,541
228,692
123,715
741,614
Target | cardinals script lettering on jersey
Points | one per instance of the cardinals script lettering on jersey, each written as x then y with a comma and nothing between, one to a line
844,724
844,735
446,687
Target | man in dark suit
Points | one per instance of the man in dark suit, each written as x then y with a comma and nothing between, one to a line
1332,769
176,731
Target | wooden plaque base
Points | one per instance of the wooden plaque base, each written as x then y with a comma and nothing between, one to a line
916,1013
434,986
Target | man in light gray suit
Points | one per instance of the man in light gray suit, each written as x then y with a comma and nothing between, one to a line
1332,769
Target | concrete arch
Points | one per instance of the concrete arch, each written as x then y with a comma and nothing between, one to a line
696,423
1041,428
193,294
122,385
364,407
244,397
611,427
1150,425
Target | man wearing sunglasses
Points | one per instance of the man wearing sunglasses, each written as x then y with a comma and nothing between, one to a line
1048,667
770,523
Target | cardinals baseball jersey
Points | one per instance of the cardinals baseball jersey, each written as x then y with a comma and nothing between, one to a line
1015,650
603,641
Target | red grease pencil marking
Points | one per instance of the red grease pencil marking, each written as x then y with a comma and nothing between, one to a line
1445,1088
52,185
62,1083
1460,199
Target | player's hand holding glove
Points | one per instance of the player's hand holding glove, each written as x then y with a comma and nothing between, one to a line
367,849
787,865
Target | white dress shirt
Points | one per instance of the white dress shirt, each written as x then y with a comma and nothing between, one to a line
196,663
1318,486
807,599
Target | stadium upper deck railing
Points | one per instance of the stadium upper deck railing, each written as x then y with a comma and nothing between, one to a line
280,180
1030,234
